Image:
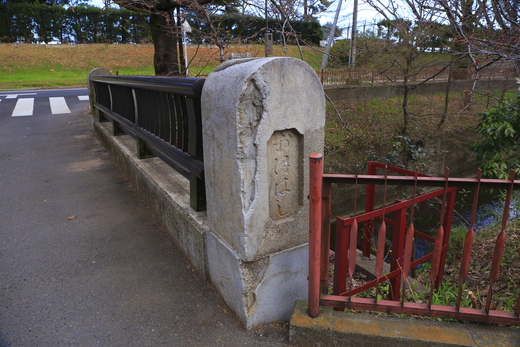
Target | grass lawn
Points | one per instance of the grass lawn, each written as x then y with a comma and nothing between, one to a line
55,66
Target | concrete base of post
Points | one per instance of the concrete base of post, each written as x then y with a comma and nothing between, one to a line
260,291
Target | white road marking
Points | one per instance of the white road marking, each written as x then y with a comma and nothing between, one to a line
14,96
59,105
24,107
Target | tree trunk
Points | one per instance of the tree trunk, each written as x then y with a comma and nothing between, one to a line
406,95
404,107
446,100
166,50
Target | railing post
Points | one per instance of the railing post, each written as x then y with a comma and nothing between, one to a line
341,257
325,237
93,98
143,150
116,129
396,257
315,210
369,206
197,189
450,207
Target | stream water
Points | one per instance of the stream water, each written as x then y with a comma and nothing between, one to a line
489,212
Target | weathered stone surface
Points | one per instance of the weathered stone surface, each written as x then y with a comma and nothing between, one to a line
261,120
284,155
249,107
260,291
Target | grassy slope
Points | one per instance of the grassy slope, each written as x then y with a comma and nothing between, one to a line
40,66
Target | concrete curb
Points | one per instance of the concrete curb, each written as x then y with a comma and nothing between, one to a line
332,328
165,191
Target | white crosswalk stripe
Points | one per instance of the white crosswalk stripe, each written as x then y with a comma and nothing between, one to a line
59,105
24,106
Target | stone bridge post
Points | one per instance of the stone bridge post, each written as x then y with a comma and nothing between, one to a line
261,120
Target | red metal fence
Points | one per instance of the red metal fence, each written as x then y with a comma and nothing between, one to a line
403,234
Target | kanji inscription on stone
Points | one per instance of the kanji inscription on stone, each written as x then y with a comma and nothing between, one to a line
284,174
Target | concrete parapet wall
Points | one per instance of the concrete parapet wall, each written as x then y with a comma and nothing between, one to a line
164,190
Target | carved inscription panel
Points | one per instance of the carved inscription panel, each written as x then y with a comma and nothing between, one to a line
284,173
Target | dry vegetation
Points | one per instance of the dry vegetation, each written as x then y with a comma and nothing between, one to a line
368,129
74,57
27,65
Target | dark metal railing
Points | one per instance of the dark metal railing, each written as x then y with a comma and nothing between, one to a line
163,114
402,258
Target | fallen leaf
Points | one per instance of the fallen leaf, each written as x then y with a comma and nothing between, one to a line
71,217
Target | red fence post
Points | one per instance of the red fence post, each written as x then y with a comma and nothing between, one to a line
369,206
396,258
325,237
315,210
450,207
341,258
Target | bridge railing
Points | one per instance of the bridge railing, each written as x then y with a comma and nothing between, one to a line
400,216
163,114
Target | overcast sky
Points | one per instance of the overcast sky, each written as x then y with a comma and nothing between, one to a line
366,15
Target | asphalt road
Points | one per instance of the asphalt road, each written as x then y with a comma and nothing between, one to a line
82,261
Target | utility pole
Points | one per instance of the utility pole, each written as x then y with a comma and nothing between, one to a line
352,55
268,36
332,32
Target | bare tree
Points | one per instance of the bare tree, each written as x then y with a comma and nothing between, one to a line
165,24
402,59
487,32
166,19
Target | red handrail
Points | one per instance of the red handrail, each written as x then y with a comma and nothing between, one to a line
346,245
400,261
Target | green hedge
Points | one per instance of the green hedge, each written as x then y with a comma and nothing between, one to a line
37,23
33,23
233,27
